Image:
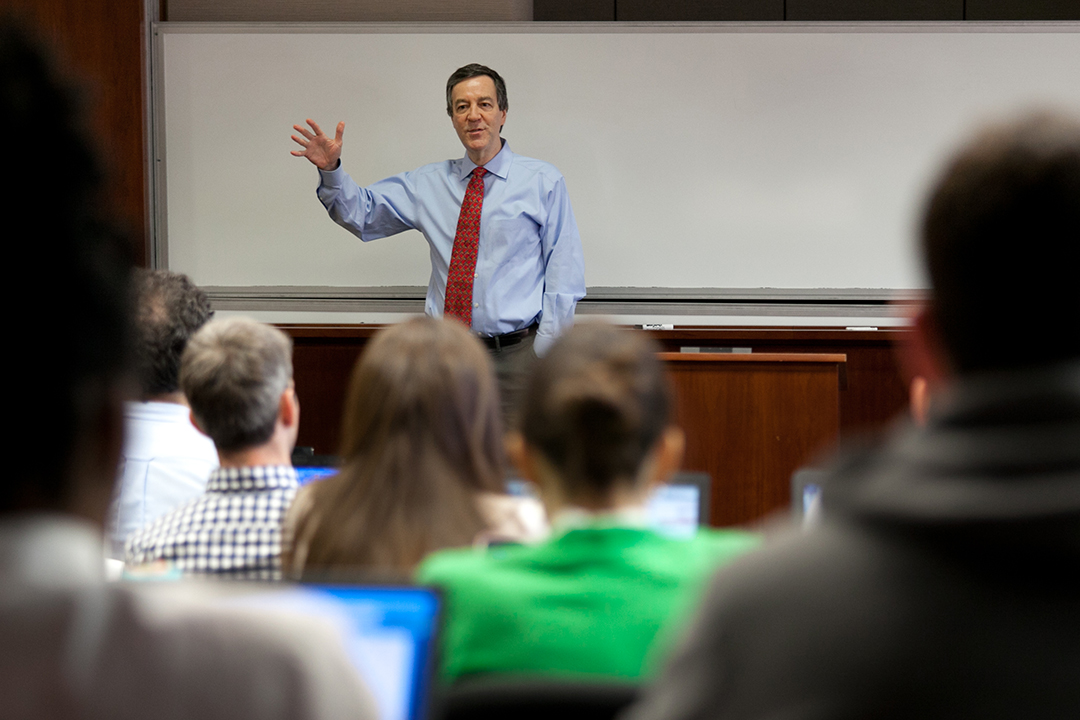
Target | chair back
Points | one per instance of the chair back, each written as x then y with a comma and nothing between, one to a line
534,700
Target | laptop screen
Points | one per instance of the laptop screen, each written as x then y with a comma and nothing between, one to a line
388,632
676,509
305,474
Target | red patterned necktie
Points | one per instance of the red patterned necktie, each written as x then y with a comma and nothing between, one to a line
459,280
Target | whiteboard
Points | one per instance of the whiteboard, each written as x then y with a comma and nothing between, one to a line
696,156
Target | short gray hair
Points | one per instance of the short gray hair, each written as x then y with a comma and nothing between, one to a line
233,373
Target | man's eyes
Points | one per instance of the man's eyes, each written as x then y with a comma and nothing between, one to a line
483,106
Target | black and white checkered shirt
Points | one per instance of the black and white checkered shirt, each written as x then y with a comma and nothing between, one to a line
233,530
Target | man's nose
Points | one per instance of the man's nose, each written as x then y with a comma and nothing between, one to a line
474,112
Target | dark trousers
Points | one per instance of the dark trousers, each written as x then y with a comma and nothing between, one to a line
512,366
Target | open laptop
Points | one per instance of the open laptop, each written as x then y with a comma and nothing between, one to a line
389,633
676,509
682,505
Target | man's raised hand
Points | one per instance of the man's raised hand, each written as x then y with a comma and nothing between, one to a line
323,152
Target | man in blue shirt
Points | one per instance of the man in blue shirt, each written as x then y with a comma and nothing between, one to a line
529,272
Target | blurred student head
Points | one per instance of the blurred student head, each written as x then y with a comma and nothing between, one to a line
421,438
72,341
169,309
1001,233
596,427
237,375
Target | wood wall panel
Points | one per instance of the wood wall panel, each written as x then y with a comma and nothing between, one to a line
574,10
348,11
875,389
99,45
876,10
873,393
698,10
323,359
1023,10
750,419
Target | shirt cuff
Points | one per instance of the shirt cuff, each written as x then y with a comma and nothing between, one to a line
542,344
332,178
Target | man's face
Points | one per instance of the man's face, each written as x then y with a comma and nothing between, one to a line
477,117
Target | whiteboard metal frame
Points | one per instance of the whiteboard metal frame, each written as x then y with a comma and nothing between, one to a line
771,302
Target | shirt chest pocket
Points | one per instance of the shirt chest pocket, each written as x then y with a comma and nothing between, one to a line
512,237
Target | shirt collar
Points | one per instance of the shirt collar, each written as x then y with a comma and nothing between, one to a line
574,517
498,166
246,479
156,410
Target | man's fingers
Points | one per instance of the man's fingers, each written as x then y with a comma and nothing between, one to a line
315,126
303,131
297,153
340,132
298,140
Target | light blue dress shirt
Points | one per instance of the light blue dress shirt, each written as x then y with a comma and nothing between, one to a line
529,265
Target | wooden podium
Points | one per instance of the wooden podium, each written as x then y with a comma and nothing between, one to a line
752,419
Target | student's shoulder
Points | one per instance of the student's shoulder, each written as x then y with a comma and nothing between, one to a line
236,652
711,545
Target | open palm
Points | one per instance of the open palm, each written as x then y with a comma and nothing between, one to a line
319,148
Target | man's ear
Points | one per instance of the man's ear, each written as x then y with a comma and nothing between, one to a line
919,400
924,353
195,422
518,453
289,406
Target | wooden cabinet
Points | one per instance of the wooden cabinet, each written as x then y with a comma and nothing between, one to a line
752,419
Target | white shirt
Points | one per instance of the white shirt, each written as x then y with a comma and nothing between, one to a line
73,646
166,464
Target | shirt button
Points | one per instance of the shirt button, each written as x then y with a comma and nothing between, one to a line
476,304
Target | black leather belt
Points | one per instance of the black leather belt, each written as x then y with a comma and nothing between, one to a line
498,342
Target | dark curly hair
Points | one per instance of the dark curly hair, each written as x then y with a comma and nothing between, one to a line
169,308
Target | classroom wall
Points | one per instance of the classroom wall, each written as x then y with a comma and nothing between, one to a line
100,46
104,43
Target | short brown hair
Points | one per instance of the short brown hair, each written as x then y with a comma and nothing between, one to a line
477,70
233,374
595,406
1001,233
421,437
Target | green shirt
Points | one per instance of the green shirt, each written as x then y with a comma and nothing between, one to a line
594,601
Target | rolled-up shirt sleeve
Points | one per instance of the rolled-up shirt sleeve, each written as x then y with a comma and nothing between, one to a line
564,268
529,263
385,208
